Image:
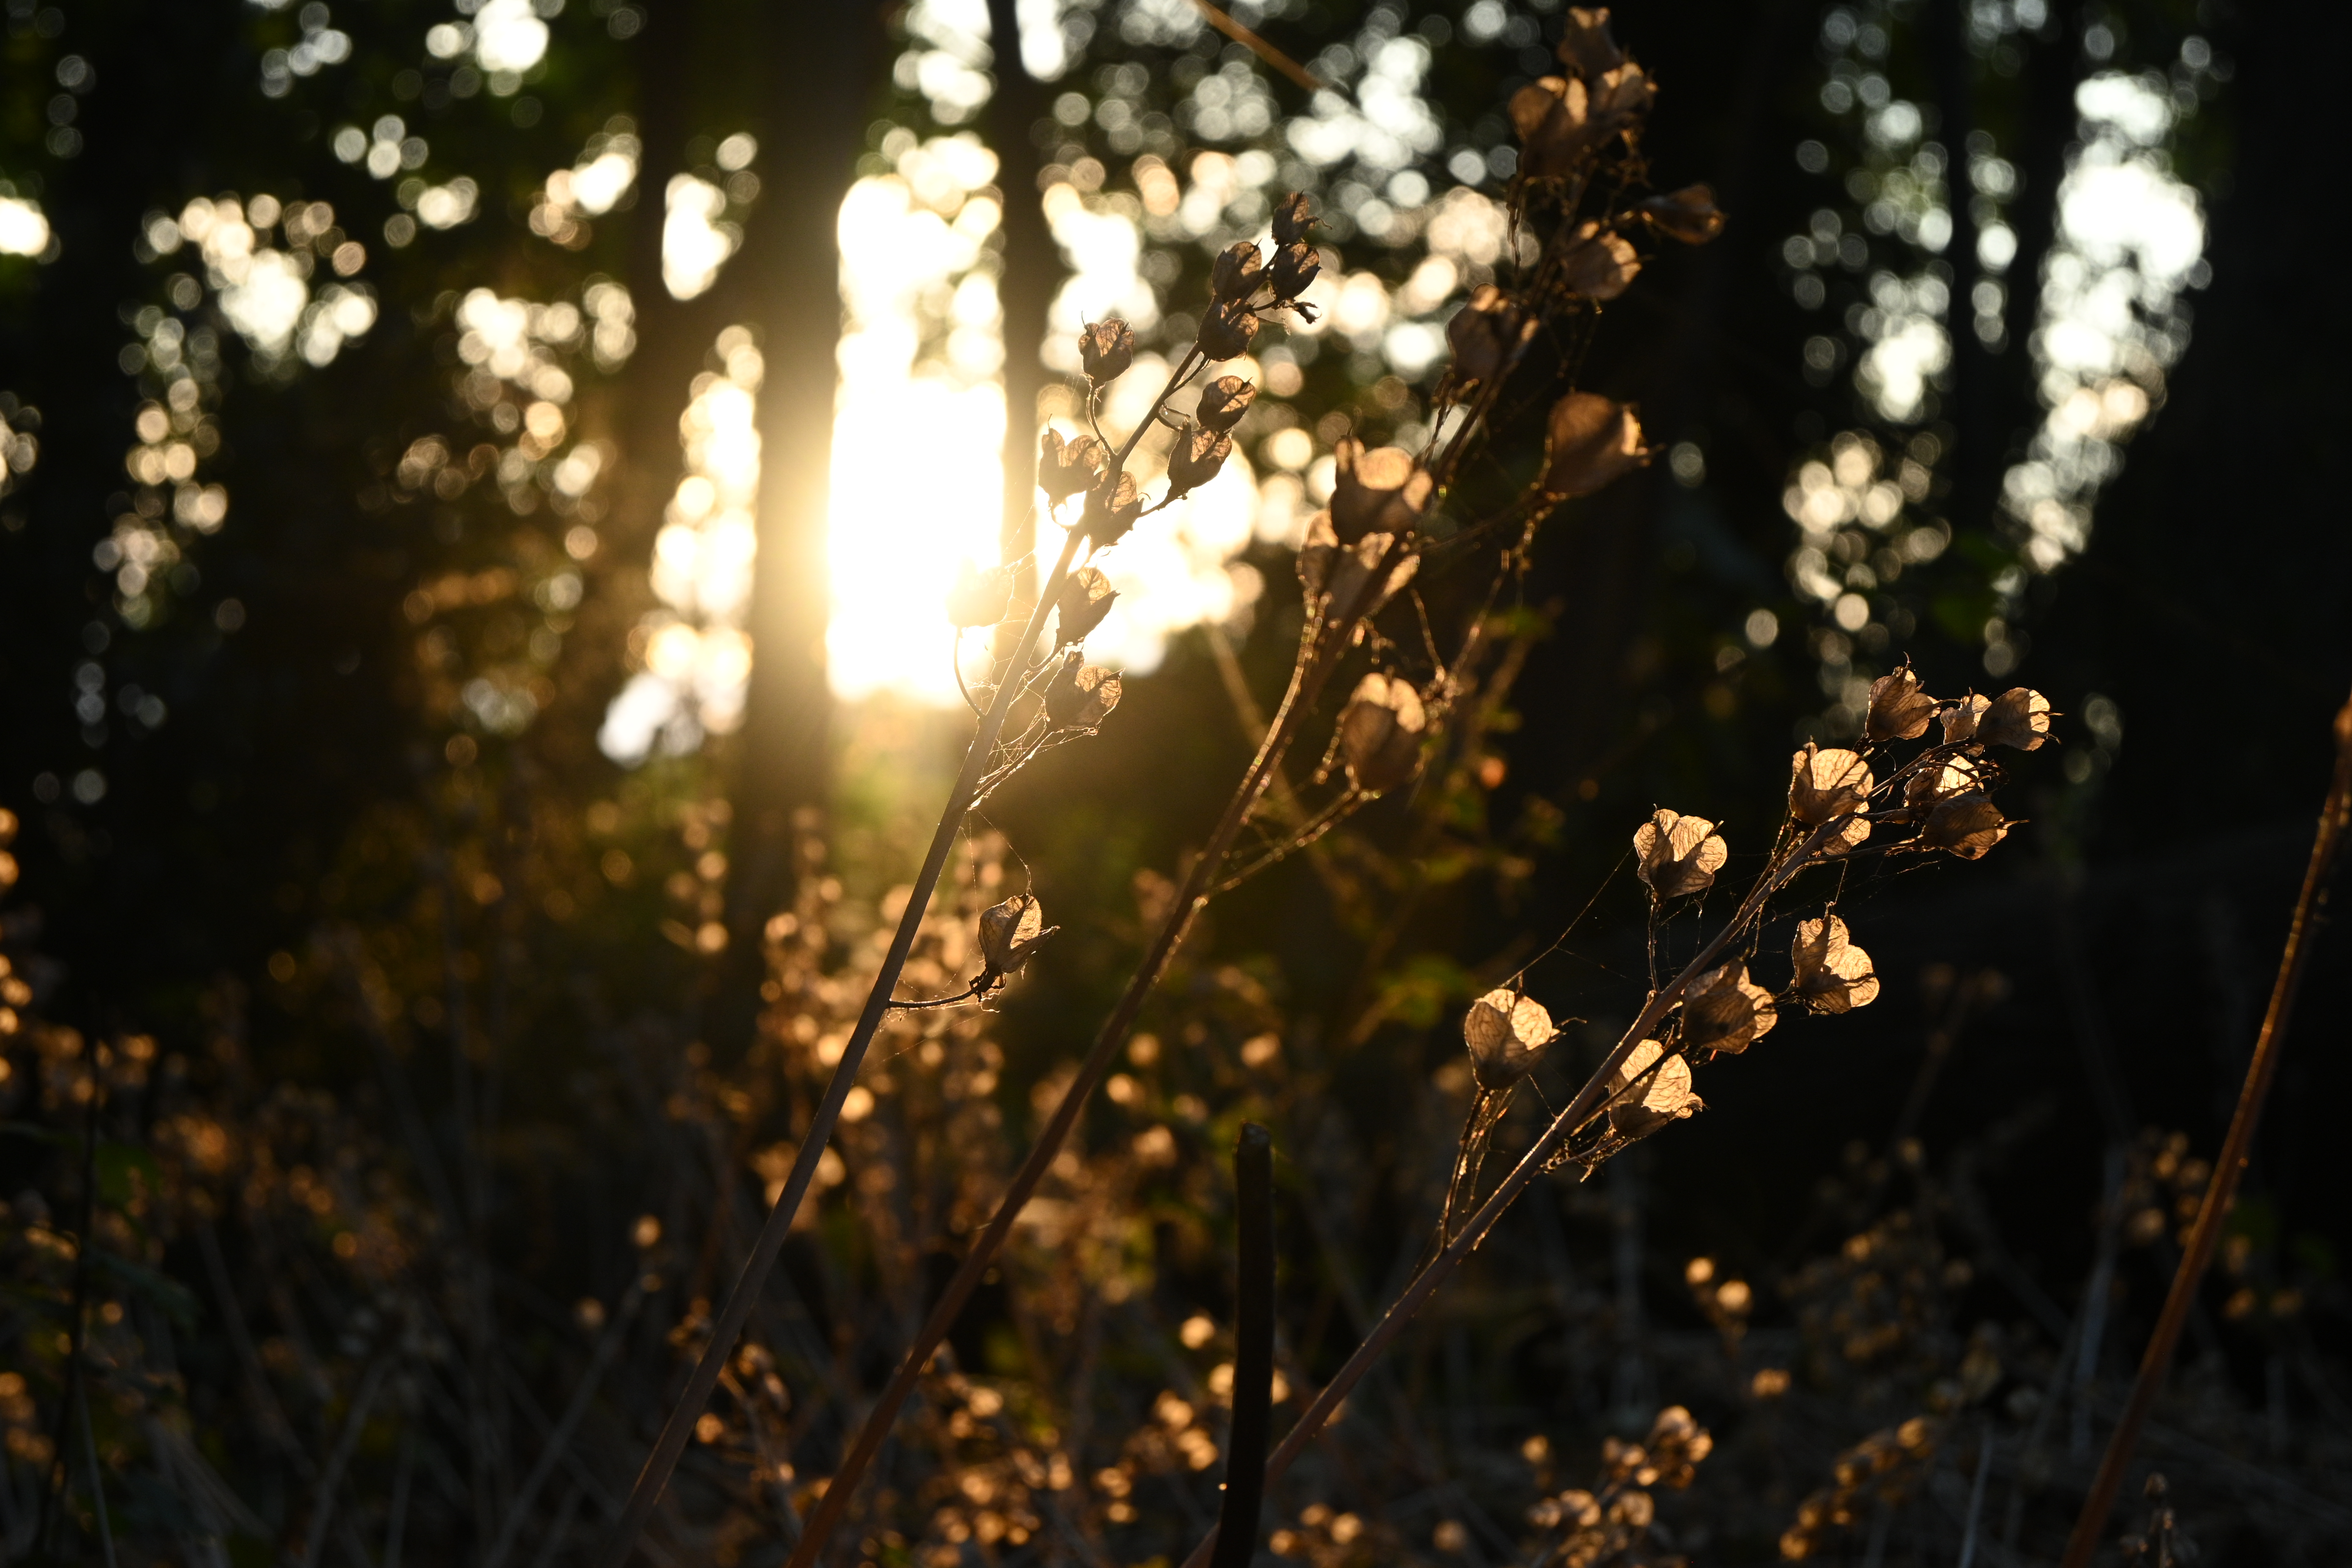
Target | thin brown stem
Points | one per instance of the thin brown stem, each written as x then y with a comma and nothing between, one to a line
2205,1236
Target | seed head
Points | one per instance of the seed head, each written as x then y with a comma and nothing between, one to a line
1107,348
1379,733
1666,1097
1226,330
1832,974
1594,440
1223,402
1009,932
1085,599
1899,710
1961,719
1295,267
980,598
1111,511
1505,1033
1384,489
1563,120
1823,785
1240,268
1197,455
1965,825
1723,1011
1938,781
1487,332
1679,855
1599,265
1081,696
2019,718
1688,215
1585,46
1293,217
1066,468
1327,567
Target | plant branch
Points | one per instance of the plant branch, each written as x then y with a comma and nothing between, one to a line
2206,1235
1253,1350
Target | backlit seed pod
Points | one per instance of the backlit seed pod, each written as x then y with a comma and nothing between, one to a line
1824,785
1010,933
1293,217
1593,442
1066,468
2020,717
1678,854
1899,710
1240,268
1226,330
1961,719
1223,402
1085,599
1379,733
1561,120
1195,458
1725,1011
1598,264
1335,573
1107,349
1832,974
1662,1097
1939,781
1487,333
1295,267
1965,826
1081,696
1688,215
1585,46
980,598
1384,489
1111,511
1505,1033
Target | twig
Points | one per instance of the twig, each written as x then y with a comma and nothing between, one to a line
1253,1350
98,1477
1976,1496
1231,30
2230,1165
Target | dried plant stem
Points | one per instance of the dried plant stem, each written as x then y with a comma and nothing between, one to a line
1253,1349
2206,1235
1587,1103
737,1308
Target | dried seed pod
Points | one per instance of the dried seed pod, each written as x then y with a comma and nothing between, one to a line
1724,1011
2019,718
1563,120
1293,217
1195,458
1066,468
1240,268
1939,781
1899,710
1505,1033
1011,932
1384,489
1223,402
1379,733
1105,349
1688,215
980,598
1327,568
1961,719
1599,265
1295,267
1832,974
1665,1098
1679,855
1111,511
1585,46
1081,696
1823,785
1085,599
1226,330
1965,826
1487,332
1593,441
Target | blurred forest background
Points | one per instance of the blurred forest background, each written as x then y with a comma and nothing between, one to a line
465,706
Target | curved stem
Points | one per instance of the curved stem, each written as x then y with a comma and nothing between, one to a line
1253,1349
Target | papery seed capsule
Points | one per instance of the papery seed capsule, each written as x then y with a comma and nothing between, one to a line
1664,1096
1688,215
1379,733
1965,826
1486,334
1593,442
1194,460
1293,217
1598,264
1081,696
1223,402
2019,718
1239,270
1382,490
1830,786
1832,974
1226,331
1105,349
1899,710
980,598
1505,1033
1010,933
1962,718
1111,511
1723,1011
1585,46
1295,267
1066,468
1678,854
1085,599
